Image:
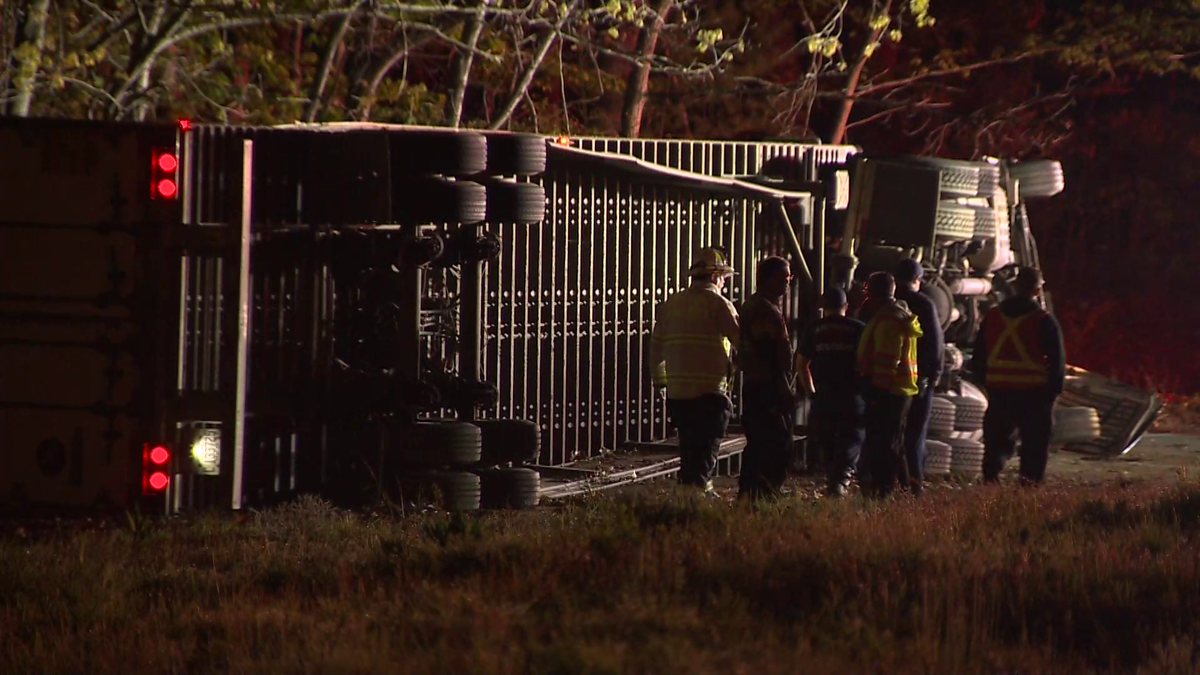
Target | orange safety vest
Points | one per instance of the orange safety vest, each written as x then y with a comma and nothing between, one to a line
887,352
1015,358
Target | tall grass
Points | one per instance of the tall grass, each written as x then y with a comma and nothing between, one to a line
983,580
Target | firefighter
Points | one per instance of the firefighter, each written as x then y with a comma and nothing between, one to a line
691,356
1018,356
887,367
768,399
825,366
930,360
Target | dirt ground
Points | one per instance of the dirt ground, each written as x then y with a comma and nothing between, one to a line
1157,458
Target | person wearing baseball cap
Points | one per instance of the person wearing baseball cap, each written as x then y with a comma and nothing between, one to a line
691,356
930,361
825,368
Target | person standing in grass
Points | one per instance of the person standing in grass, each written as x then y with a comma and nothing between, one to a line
691,350
1019,358
825,366
930,360
768,399
887,368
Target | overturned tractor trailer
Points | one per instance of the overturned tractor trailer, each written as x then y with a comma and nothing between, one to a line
202,316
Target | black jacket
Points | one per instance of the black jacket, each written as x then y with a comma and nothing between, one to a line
1052,345
931,346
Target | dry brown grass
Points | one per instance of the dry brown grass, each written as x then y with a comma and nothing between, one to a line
982,580
1180,415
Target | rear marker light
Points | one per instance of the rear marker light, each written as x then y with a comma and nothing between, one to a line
158,480
166,188
164,165
155,476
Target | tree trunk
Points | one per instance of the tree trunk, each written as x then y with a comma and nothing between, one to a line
322,78
639,77
462,75
367,100
851,88
539,55
27,54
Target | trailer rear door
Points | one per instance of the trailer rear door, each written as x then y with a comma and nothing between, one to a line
83,212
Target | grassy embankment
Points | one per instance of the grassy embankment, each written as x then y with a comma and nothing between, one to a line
978,580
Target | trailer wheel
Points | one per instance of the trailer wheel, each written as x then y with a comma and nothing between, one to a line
937,458
449,153
515,154
987,223
1039,178
941,295
516,488
509,441
968,412
1075,424
966,456
432,199
954,222
941,416
512,202
989,180
959,178
450,490
434,444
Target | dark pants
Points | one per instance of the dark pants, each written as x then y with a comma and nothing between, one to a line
916,427
701,423
1031,414
883,449
768,449
837,427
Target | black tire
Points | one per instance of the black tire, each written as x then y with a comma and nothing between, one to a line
954,222
450,490
941,417
939,292
512,202
446,152
966,456
968,412
937,458
515,488
989,180
431,199
434,444
958,178
1039,178
509,441
1075,424
987,223
514,154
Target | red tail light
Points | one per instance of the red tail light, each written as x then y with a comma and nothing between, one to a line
155,468
166,188
164,185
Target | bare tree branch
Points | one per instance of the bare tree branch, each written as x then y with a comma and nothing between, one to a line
462,75
521,89
335,41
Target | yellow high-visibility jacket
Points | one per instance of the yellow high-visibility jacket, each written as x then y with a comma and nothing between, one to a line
690,346
887,351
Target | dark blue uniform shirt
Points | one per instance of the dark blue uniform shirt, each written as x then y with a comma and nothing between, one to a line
831,347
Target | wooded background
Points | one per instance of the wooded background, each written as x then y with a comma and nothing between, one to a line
1111,89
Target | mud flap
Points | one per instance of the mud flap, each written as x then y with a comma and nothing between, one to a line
1126,413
